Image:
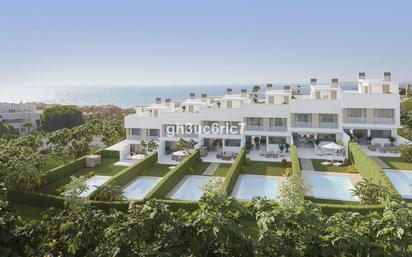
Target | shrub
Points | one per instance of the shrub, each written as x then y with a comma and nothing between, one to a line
406,152
108,193
284,162
243,169
351,169
370,193
190,170
288,172
58,117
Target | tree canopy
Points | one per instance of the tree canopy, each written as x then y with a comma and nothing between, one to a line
58,117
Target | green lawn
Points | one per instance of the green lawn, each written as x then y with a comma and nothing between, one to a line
265,168
52,163
107,168
200,167
157,170
397,163
222,170
331,168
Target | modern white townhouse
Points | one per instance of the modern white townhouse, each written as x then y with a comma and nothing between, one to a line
266,122
23,117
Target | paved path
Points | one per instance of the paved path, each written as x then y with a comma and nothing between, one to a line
381,163
211,169
306,164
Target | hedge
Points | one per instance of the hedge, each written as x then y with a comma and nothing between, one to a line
62,171
126,176
369,169
294,157
110,153
34,198
234,171
171,178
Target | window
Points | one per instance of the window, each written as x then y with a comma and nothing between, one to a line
12,110
277,140
136,132
229,104
383,113
386,89
153,132
380,133
331,118
278,122
232,142
303,117
359,113
255,121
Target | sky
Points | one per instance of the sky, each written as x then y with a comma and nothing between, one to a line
98,42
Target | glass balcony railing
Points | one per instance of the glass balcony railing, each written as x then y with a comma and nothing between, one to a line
303,124
383,120
328,125
152,137
135,137
356,120
278,128
254,128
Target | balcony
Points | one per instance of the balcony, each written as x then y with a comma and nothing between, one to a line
328,125
383,120
135,137
152,137
303,124
356,120
253,128
278,128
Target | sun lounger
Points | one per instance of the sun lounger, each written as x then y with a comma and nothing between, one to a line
227,156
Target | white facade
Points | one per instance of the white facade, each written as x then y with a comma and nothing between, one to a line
276,116
17,115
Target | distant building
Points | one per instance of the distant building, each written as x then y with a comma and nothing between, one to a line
19,115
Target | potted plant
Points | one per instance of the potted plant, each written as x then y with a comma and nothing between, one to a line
287,147
184,108
369,138
392,140
281,147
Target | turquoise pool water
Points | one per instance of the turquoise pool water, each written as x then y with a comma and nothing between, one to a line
189,188
140,187
331,187
92,184
402,181
249,186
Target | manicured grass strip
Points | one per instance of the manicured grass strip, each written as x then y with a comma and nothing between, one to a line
330,168
396,163
234,171
106,168
173,177
127,175
222,170
369,169
157,170
265,168
296,168
110,154
200,167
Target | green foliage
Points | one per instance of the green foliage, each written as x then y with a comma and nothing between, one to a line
295,160
370,193
405,150
108,192
292,192
59,117
185,145
6,129
10,233
369,169
234,171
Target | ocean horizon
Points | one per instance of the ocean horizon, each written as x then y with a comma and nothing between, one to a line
124,96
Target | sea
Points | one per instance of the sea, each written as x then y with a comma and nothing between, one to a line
124,96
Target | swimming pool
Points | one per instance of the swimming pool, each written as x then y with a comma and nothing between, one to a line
140,187
331,187
92,184
402,181
189,188
249,186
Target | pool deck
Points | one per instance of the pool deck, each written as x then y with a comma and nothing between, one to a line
353,178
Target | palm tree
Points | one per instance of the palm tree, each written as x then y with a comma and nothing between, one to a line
369,192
